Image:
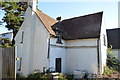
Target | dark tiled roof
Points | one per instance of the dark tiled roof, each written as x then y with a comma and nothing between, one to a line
47,21
82,27
114,38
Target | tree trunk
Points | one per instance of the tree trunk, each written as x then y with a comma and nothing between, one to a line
14,34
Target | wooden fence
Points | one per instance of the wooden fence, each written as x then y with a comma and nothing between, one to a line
0,63
7,62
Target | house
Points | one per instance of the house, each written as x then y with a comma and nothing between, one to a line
8,35
66,46
114,40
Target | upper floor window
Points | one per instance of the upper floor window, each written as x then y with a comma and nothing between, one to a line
22,37
104,39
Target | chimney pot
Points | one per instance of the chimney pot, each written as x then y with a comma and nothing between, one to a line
33,4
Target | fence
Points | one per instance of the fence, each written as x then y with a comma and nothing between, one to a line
7,62
0,63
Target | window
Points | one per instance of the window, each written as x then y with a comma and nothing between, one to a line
104,39
22,37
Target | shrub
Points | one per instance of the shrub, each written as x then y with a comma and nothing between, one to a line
6,43
107,71
62,76
112,62
71,77
37,75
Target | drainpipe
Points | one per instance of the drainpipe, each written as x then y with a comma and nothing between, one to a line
98,56
48,54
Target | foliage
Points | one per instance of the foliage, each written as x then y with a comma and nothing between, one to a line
37,75
91,75
19,75
6,43
107,71
112,62
109,51
62,76
70,77
14,15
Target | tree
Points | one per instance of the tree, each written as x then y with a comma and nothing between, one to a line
14,15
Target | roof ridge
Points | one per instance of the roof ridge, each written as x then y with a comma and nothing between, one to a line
84,15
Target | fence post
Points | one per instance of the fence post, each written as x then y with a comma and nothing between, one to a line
8,67
0,63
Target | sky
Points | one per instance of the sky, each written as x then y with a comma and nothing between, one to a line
2,28
74,9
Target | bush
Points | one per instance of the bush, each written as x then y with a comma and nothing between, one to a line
107,71
71,77
112,62
6,43
62,76
37,75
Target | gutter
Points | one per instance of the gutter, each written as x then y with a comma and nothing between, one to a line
98,56
94,46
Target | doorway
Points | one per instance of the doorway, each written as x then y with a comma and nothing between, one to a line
58,64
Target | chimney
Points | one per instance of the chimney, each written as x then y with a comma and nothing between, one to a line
58,19
32,4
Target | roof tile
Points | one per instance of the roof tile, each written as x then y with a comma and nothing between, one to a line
47,21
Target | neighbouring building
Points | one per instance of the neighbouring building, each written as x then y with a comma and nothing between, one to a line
66,46
8,35
114,40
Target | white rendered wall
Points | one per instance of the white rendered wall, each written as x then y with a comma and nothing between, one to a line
83,57
82,42
23,50
116,53
57,51
79,54
33,50
40,46
103,47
